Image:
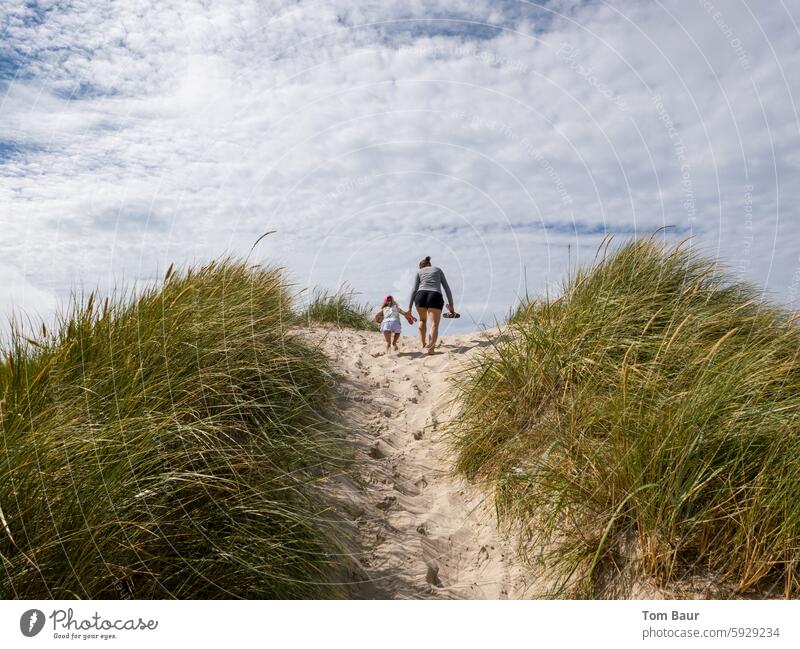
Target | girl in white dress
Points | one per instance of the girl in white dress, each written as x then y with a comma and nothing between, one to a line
389,319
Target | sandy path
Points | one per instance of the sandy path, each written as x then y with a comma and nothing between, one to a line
423,532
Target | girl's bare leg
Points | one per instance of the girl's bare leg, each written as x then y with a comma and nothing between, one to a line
394,341
436,317
423,329
387,336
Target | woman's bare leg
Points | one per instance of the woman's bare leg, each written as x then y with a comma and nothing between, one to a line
387,336
423,329
436,317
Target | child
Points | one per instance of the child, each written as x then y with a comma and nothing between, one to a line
389,319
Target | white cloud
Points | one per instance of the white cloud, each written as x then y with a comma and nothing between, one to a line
489,134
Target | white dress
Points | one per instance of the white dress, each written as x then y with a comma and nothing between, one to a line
391,319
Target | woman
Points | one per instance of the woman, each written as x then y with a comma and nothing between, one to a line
427,296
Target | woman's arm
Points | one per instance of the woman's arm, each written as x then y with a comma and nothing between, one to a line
414,292
450,302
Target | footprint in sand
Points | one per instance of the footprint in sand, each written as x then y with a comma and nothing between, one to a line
387,503
432,574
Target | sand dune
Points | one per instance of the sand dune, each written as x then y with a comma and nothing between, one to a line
423,532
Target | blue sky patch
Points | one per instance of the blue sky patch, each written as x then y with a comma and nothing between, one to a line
9,150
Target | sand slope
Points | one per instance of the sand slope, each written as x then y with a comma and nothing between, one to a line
422,531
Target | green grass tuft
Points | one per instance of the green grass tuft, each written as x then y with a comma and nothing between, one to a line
338,308
644,424
168,445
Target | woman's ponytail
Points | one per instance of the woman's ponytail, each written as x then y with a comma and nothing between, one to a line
425,262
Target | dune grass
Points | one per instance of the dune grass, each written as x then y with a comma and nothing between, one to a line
168,445
644,425
340,308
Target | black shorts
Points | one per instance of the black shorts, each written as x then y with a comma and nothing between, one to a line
429,300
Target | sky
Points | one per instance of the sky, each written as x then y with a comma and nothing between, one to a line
504,138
